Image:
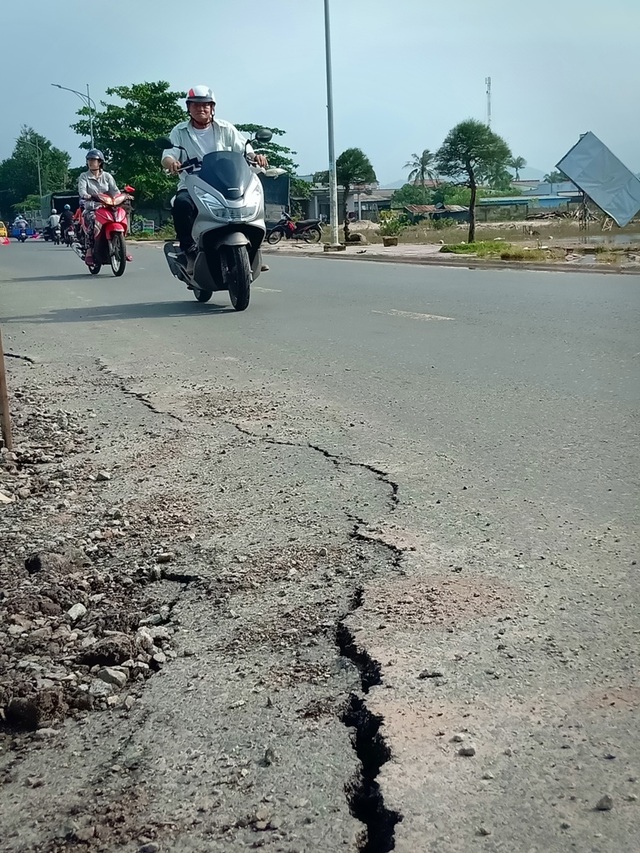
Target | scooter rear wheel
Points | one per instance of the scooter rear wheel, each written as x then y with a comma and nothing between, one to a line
312,235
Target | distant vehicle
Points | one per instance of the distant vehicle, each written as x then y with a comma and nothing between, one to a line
3,230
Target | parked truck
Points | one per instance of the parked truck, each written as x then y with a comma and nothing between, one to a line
58,200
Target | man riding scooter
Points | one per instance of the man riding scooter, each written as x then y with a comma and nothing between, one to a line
200,135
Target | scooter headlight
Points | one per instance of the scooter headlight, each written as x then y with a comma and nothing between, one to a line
213,204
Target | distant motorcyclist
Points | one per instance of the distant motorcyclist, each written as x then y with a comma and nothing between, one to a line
91,183
66,217
200,135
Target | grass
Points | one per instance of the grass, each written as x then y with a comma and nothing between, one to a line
167,232
481,248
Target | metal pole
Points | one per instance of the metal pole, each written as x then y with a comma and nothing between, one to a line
333,180
4,403
90,116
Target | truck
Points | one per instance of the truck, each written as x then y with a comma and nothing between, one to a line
58,200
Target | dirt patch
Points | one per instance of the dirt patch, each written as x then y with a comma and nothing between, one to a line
438,600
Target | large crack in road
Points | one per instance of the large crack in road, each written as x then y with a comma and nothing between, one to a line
358,553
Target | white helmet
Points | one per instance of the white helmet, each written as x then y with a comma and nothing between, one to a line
200,95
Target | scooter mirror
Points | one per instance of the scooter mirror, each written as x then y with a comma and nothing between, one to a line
163,142
263,135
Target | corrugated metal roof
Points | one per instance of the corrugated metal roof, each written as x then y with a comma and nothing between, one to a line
434,208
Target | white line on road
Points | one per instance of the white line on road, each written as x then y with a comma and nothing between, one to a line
266,289
412,316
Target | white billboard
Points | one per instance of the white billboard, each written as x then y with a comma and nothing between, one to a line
599,174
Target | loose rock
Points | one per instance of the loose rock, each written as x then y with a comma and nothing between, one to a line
605,803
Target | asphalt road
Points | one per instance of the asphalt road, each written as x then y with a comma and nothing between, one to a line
497,414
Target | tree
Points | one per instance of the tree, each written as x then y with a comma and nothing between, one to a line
125,133
352,167
517,164
19,172
278,155
422,168
411,194
555,177
471,153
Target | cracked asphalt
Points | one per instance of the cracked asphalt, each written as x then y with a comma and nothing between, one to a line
407,618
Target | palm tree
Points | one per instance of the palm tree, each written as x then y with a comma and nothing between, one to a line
517,164
422,168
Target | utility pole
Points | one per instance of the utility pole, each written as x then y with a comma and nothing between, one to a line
487,80
38,155
333,180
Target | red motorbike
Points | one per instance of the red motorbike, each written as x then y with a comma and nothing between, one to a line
110,230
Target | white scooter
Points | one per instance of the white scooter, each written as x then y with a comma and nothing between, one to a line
229,227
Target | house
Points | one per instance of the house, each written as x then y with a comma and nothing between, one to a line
361,204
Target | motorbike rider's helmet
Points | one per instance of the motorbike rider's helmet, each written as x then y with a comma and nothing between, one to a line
96,154
200,95
54,212
67,207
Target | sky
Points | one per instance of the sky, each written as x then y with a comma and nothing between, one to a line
404,71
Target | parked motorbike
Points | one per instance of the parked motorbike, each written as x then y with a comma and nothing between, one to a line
229,227
306,229
110,229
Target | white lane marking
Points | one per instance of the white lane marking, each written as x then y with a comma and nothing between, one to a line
412,315
266,289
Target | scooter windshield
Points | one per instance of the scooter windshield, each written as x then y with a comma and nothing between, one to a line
227,172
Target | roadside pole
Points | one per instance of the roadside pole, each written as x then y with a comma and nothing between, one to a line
5,419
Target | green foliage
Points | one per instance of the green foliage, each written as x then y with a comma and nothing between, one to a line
390,223
300,188
472,154
31,202
277,155
412,194
422,168
125,133
321,177
19,172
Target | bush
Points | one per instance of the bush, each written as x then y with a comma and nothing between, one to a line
439,224
390,224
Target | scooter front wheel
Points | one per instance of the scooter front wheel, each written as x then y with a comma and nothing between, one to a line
237,276
274,237
117,253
